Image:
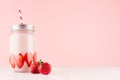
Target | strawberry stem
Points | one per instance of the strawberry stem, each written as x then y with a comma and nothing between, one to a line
40,61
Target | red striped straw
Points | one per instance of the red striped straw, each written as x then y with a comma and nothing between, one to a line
20,16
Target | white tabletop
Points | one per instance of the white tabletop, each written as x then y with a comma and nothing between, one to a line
111,73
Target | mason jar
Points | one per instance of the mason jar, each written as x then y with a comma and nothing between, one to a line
22,47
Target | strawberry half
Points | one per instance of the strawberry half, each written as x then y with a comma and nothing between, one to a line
20,60
35,57
28,59
12,60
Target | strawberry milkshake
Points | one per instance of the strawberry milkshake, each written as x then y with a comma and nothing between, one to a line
22,47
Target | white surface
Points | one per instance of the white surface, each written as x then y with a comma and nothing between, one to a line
65,74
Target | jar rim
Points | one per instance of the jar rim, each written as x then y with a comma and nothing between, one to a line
22,27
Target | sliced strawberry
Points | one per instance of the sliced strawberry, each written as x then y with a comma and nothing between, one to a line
28,59
20,60
35,57
12,60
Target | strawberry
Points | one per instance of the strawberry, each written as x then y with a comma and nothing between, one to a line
35,57
44,68
34,68
12,60
28,59
40,67
20,60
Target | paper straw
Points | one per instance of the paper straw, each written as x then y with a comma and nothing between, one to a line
20,16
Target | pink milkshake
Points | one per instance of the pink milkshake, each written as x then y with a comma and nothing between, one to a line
22,47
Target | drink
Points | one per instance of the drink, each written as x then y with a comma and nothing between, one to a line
22,47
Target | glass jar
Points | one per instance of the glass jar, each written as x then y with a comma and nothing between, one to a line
22,48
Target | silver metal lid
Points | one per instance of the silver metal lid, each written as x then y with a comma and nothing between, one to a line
23,27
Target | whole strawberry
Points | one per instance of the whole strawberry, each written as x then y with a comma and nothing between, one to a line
34,68
44,68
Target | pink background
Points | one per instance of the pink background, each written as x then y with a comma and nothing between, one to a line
68,32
